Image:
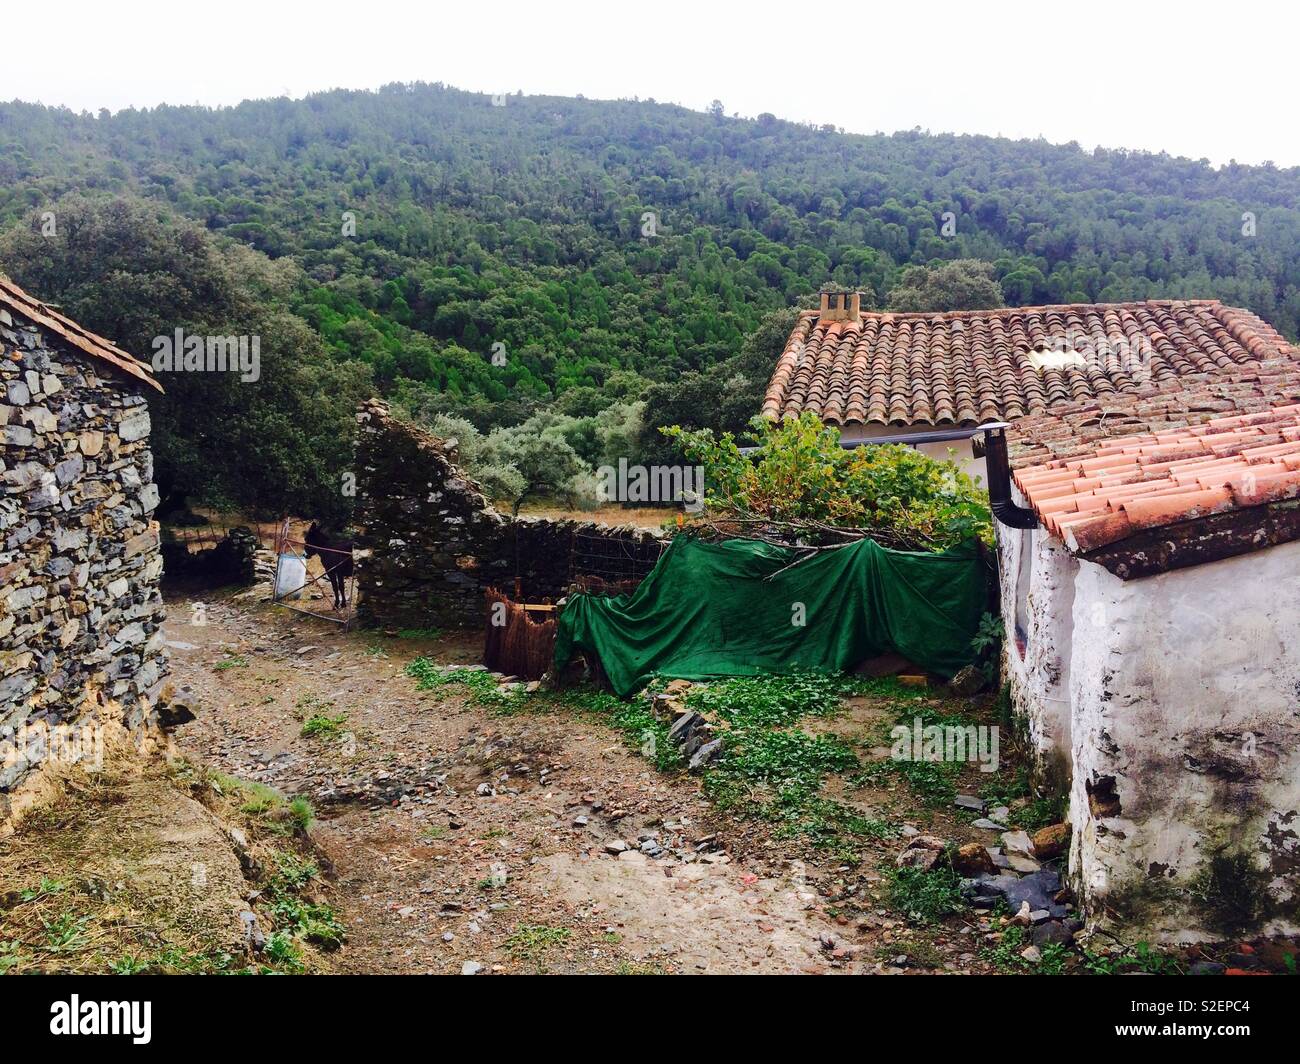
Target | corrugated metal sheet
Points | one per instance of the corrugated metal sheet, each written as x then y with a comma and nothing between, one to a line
14,298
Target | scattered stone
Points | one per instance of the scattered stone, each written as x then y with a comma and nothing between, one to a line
1051,933
1017,843
704,755
1207,968
667,707
969,681
616,846
972,859
1032,954
969,801
922,852
1051,841
988,825
1038,888
471,968
579,821
252,933
684,727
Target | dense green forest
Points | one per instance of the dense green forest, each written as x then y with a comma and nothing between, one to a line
568,271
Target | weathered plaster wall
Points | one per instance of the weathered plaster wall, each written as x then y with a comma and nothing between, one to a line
434,545
80,610
1039,678
1186,744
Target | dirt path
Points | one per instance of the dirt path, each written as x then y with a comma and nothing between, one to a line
428,873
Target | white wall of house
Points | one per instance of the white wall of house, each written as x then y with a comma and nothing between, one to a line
1037,578
1185,692
1177,697
959,451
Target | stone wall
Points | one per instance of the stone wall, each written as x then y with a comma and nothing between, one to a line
431,544
230,562
81,645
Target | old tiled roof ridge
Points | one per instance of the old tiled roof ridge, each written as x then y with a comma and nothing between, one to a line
14,298
1153,480
1078,428
970,366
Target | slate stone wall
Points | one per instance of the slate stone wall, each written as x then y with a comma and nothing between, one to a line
80,610
432,544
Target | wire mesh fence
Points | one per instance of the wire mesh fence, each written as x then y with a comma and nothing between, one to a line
612,561
329,593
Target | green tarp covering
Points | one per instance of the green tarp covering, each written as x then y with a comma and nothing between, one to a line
730,609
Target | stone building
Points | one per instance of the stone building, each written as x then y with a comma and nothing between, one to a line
928,380
432,544
1153,646
81,644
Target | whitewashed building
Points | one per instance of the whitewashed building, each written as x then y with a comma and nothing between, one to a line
1153,647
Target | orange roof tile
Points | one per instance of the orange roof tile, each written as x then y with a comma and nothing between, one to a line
1225,464
15,299
964,367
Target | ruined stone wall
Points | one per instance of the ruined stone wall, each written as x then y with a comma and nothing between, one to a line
432,544
1186,744
80,610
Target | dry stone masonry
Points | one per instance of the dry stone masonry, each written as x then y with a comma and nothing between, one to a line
432,544
81,644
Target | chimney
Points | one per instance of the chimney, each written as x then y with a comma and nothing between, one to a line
841,306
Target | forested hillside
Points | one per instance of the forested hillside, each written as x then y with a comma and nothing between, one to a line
529,262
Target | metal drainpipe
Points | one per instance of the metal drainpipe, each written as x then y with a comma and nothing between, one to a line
999,472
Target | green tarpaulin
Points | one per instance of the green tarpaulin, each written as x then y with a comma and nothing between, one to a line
734,609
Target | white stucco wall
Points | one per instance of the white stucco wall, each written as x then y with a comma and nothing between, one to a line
1039,677
1185,705
959,451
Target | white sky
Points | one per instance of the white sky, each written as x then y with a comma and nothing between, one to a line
1192,78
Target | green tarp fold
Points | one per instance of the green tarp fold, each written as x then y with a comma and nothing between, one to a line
709,610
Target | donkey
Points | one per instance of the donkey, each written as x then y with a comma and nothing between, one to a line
336,556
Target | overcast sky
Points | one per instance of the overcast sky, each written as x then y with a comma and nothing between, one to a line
1204,80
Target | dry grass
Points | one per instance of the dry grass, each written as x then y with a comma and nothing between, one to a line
145,870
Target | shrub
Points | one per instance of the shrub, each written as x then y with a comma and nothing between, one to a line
801,477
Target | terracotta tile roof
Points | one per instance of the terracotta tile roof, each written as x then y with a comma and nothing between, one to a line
1152,480
965,367
1079,429
15,299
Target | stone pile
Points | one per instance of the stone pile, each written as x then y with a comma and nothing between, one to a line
1022,874
80,609
689,730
